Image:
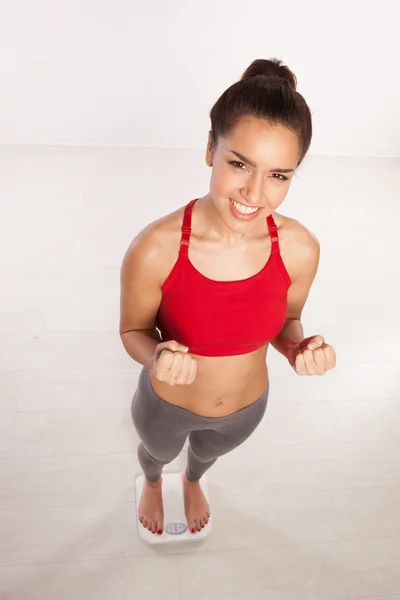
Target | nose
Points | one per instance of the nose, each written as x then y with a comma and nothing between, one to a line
252,192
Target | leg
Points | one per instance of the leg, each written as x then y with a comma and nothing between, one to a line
162,429
161,433
222,435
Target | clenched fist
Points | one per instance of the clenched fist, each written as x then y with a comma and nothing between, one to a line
173,365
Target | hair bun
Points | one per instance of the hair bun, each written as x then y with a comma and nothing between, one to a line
273,69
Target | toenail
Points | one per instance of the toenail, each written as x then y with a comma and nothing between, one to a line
159,531
192,530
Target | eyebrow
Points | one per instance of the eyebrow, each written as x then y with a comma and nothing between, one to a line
253,164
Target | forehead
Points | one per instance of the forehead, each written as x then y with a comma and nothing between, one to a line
263,142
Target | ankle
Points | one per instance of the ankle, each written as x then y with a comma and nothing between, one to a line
186,480
153,484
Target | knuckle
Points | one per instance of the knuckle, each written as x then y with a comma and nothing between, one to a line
164,355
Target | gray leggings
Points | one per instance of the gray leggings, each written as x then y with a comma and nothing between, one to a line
164,427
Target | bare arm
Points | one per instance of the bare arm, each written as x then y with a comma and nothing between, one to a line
141,278
307,255
141,346
144,269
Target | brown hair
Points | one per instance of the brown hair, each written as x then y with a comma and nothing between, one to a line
267,90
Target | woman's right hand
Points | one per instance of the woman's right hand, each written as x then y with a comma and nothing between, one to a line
173,365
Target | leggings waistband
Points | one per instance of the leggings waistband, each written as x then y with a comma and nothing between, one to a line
145,381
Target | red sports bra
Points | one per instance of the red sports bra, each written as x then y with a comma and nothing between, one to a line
223,318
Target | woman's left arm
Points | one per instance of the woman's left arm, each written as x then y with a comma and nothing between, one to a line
310,355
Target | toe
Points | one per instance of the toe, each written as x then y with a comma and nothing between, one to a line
153,527
144,522
192,527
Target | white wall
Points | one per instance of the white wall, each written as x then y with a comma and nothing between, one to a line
147,73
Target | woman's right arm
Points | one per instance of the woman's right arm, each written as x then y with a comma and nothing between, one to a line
143,270
141,279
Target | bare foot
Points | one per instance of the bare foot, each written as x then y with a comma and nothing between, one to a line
151,510
197,509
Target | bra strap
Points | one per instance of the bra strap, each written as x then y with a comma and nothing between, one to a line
186,229
273,232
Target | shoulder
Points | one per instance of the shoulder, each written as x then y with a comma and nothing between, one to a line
155,248
300,248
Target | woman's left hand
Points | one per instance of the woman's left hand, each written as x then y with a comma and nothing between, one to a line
316,360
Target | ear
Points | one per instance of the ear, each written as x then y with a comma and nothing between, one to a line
210,150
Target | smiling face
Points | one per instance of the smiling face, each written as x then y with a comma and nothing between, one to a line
247,180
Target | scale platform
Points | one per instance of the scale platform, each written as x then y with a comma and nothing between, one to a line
175,524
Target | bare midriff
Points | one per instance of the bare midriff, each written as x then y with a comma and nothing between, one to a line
223,385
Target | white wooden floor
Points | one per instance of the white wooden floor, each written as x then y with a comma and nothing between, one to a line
307,508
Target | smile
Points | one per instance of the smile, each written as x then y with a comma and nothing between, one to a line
244,210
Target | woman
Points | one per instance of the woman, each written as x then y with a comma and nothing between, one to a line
207,288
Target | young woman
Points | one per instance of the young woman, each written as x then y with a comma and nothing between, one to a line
207,288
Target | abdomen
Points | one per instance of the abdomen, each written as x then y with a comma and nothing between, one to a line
222,386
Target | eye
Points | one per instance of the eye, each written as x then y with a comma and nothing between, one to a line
235,163
280,175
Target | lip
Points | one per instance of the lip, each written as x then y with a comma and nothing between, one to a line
247,206
243,217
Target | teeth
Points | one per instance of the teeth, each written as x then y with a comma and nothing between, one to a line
245,210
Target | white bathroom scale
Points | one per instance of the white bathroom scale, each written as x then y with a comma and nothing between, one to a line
175,524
